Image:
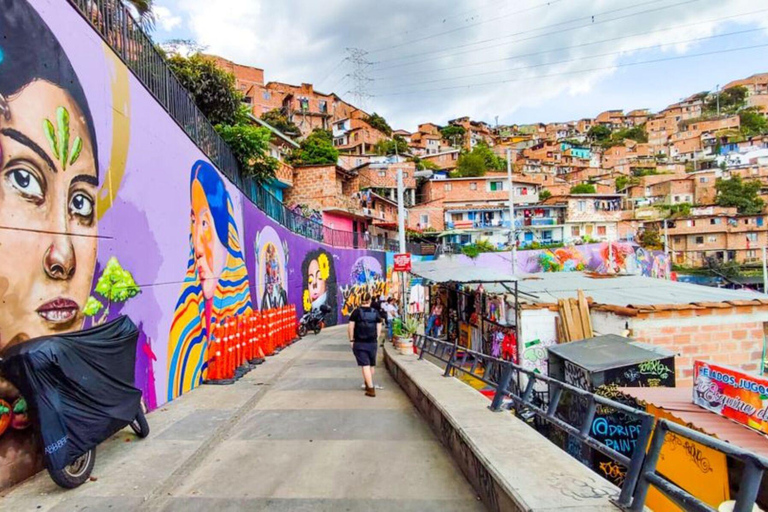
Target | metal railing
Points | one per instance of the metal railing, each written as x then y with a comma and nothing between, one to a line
514,392
117,27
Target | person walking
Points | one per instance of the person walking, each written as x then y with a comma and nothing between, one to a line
390,308
364,330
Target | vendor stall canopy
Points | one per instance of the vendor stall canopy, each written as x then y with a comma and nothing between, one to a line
457,271
609,351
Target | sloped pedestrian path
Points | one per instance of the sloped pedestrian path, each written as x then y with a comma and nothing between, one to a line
296,434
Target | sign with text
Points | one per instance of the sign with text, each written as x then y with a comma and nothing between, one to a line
402,262
732,393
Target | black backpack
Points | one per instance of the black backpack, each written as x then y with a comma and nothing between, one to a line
365,328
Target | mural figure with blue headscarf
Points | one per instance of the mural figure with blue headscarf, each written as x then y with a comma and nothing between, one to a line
216,282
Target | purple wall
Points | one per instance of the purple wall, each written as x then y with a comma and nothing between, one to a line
170,220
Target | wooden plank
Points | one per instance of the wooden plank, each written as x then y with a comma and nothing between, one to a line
578,320
569,322
586,317
563,320
559,330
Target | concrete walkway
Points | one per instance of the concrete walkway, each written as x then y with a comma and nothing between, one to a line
296,434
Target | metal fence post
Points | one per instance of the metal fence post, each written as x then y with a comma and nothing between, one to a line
636,462
501,388
649,466
749,486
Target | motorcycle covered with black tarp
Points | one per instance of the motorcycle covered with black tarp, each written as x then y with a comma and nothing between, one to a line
80,389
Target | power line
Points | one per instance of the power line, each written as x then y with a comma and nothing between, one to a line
360,76
628,64
335,68
417,40
569,47
577,59
509,36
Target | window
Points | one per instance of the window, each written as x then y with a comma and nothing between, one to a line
752,237
323,106
751,254
712,238
247,100
457,217
601,230
713,221
699,240
703,179
424,220
582,205
405,175
677,199
575,231
678,239
266,95
473,185
383,174
497,185
448,187
304,104
746,221
691,223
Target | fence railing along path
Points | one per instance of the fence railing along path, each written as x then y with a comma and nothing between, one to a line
516,389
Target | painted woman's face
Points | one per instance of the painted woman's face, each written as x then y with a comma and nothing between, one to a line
315,281
48,240
210,254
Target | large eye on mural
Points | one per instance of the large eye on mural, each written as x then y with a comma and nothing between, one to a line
26,183
81,205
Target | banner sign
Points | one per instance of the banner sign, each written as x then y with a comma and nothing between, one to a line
732,393
402,262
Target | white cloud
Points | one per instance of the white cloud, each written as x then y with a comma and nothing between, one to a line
547,58
165,18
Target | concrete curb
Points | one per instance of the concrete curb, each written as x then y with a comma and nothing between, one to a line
510,465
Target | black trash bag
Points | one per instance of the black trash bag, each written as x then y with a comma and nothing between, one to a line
80,386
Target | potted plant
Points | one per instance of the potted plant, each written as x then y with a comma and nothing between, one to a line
404,332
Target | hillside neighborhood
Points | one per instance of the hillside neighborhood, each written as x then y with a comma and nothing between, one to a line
693,175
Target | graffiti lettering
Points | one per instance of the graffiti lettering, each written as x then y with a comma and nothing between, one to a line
576,376
693,451
352,294
655,368
614,472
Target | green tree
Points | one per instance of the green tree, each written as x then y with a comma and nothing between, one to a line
731,100
378,122
740,194
212,88
599,133
544,195
470,165
143,10
391,146
250,145
116,285
621,182
425,165
316,149
277,119
453,133
650,238
753,122
583,188
636,133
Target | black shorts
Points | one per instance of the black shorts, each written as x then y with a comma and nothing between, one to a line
365,353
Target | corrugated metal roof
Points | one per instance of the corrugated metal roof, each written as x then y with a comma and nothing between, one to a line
447,270
608,351
679,403
626,291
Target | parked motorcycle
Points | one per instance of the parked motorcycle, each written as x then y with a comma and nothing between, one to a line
313,320
80,391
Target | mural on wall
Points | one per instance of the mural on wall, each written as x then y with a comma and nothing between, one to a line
366,276
272,257
318,273
108,208
216,281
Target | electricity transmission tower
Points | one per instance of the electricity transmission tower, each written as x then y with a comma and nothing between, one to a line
360,76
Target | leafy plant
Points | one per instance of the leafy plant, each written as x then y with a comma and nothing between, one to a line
316,149
212,88
544,194
378,122
116,285
395,145
753,122
406,328
453,133
583,188
277,119
650,238
740,194
250,145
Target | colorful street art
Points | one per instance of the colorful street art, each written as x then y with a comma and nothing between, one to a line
216,281
108,208
367,275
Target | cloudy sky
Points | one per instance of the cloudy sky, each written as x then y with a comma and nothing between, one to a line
521,60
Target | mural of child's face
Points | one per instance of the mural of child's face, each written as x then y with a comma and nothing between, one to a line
316,283
47,205
210,254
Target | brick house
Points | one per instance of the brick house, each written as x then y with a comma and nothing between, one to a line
590,216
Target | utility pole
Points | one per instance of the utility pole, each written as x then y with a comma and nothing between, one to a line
512,233
666,237
400,211
360,75
717,93
765,273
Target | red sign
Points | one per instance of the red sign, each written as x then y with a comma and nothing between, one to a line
731,393
403,262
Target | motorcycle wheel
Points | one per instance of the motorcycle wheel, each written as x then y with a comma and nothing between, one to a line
302,330
76,473
140,425
318,329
